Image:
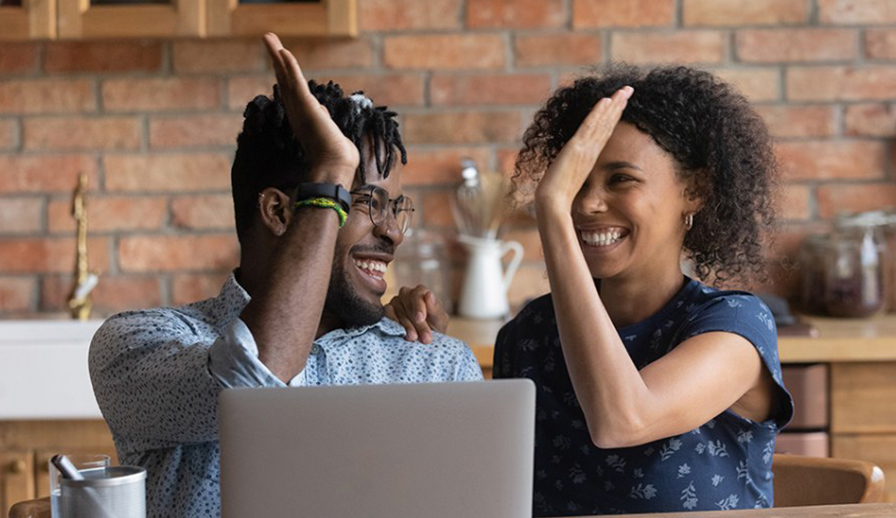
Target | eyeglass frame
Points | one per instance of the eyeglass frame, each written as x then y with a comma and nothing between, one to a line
369,190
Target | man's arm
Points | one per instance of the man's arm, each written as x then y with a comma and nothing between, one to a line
284,314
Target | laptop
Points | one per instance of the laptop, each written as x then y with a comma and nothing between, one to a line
433,450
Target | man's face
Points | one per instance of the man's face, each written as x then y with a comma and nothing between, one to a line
363,251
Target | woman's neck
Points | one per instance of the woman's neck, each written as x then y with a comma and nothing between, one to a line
632,299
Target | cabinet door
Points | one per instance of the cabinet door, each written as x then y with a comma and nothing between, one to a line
16,478
286,18
130,18
28,19
863,397
879,449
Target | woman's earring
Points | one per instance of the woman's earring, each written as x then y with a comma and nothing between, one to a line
688,221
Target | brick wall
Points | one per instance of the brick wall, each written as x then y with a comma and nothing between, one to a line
152,123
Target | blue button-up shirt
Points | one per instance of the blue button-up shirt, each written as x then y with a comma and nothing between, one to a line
157,374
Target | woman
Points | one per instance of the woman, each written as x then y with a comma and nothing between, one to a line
656,392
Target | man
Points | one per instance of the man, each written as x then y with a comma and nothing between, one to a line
303,308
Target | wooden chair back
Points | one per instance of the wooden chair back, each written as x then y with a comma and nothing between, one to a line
801,480
37,508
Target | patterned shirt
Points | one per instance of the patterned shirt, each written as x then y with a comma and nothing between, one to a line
157,374
723,464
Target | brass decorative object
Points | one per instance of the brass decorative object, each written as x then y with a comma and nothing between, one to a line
80,302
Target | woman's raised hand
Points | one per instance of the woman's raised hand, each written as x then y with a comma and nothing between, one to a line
333,157
568,172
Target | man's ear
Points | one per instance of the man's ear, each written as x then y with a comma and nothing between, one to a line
273,210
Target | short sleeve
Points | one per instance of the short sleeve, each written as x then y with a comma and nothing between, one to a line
745,315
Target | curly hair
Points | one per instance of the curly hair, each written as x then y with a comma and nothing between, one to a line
268,154
721,148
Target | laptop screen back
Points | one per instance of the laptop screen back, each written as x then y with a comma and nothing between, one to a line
432,450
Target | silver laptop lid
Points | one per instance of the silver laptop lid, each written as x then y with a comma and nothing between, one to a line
452,450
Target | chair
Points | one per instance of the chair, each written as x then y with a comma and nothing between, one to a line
801,480
37,508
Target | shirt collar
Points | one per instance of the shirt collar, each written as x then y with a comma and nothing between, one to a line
231,300
384,326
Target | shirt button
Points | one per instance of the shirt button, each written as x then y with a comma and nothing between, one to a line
315,349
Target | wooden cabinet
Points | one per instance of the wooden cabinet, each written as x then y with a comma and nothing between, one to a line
90,19
26,447
32,19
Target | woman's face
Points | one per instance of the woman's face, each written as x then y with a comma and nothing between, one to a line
629,214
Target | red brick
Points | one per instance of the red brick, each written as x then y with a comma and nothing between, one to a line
108,213
795,45
161,94
517,14
82,133
439,166
437,209
20,215
397,15
871,120
49,255
194,131
738,12
167,173
880,43
47,96
795,202
854,198
462,127
42,174
175,253
9,134
662,47
756,84
840,83
491,89
211,211
824,160
799,121
103,56
218,56
192,287
241,90
556,49
16,293
330,54
612,13
111,295
851,12
18,58
444,51
387,89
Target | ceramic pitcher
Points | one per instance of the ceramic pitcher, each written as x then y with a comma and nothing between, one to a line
484,292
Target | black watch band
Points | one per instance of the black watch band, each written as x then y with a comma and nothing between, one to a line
334,191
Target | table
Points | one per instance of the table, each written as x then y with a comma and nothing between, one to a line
820,511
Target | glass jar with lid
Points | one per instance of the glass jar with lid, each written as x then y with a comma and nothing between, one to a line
855,264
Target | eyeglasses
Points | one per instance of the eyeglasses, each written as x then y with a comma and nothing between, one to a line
377,202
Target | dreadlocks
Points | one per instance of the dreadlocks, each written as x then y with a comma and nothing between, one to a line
268,154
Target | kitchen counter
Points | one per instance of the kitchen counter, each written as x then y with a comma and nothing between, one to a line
835,340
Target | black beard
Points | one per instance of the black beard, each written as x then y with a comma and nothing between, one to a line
343,302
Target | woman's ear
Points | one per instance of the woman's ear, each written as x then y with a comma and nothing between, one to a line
273,210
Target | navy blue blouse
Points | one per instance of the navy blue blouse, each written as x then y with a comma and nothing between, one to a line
723,464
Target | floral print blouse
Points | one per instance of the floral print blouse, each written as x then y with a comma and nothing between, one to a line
723,464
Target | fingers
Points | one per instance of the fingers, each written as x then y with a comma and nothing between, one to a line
396,311
437,316
602,119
